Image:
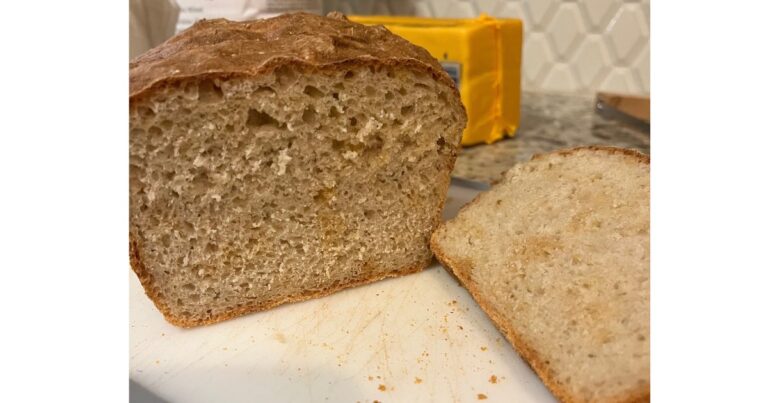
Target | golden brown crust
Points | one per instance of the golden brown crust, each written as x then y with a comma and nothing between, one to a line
643,158
224,48
146,281
461,271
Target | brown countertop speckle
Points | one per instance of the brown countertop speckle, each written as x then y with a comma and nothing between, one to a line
548,122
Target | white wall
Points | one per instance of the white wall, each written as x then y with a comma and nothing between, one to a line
570,46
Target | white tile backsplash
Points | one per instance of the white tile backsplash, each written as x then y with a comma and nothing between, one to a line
570,46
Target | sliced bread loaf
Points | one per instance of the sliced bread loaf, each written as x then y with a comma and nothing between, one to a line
283,159
557,254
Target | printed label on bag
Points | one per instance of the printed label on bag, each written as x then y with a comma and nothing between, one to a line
454,70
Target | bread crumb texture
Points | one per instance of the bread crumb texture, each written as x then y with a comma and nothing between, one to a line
558,255
249,192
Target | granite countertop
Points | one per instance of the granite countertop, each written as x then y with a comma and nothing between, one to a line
549,122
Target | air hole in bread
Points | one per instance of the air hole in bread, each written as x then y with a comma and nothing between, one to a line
258,119
209,92
285,75
406,110
146,112
265,91
188,227
239,202
348,75
334,112
389,96
166,124
313,92
370,91
309,116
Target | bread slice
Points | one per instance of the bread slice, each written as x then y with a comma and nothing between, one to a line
557,254
283,159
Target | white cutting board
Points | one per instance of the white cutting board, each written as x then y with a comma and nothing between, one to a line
418,338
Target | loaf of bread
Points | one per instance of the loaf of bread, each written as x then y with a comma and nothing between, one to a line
277,160
557,255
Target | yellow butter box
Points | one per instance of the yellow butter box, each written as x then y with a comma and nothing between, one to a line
482,55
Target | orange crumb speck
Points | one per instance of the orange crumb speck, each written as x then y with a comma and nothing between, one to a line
370,378
483,348
376,401
382,387
481,396
417,380
493,379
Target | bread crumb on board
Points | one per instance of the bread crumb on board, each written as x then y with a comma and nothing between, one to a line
417,380
382,387
481,396
483,348
493,379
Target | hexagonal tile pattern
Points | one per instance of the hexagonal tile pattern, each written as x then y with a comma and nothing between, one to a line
619,80
512,9
591,61
597,13
560,79
540,11
569,45
381,8
642,69
646,7
488,6
536,58
569,30
454,9
626,34
423,9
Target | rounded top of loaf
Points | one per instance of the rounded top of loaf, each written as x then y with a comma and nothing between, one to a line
225,48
